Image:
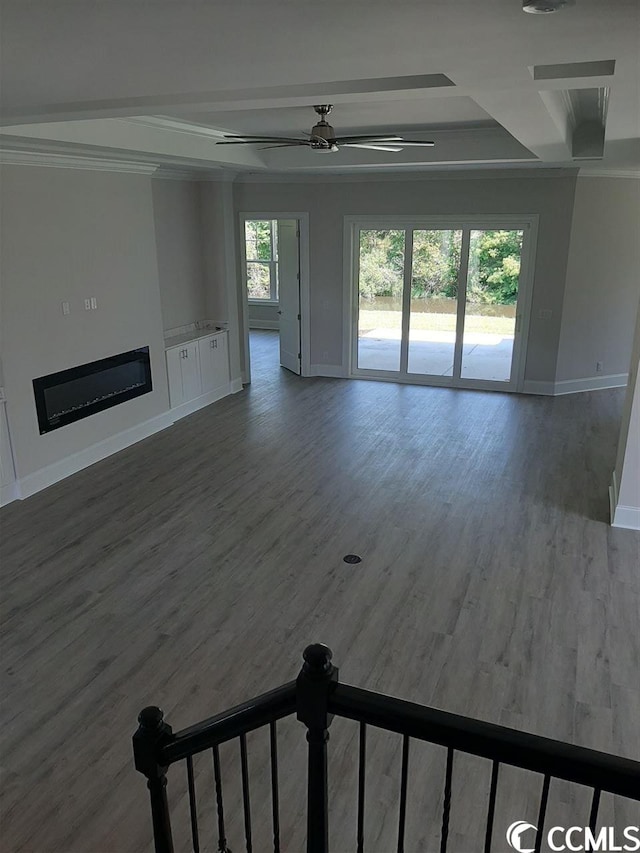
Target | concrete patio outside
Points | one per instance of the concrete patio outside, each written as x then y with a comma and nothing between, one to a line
484,355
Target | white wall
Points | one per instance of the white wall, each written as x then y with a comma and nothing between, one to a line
178,228
222,270
67,235
212,219
329,201
603,284
626,478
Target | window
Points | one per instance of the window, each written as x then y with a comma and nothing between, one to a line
261,241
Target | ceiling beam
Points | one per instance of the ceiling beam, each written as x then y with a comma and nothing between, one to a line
526,116
265,97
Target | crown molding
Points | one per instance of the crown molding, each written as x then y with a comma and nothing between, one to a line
12,157
164,173
610,173
373,176
168,173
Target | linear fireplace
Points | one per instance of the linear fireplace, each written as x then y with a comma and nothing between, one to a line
73,394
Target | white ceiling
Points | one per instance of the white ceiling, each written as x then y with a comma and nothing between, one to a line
89,75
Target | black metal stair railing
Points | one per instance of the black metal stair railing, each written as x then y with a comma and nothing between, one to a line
316,697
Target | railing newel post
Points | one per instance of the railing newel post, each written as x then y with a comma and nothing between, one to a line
313,687
151,735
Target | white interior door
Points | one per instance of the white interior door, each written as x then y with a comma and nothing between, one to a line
289,293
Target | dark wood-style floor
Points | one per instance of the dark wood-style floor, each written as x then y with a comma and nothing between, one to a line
190,571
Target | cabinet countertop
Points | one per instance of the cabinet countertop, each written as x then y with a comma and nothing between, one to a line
187,337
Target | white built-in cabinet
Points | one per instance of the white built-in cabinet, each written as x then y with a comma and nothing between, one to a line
198,370
214,362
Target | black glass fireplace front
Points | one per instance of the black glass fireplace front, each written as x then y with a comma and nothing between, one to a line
70,395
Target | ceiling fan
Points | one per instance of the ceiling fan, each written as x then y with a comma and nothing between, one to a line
323,138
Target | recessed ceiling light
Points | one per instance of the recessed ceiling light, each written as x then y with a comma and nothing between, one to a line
543,7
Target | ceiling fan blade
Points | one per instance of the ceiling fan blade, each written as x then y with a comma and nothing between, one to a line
285,145
367,138
233,138
243,141
405,142
370,147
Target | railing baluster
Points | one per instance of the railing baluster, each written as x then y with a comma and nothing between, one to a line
217,775
492,806
403,793
593,816
195,838
595,803
542,813
446,805
245,792
361,783
274,787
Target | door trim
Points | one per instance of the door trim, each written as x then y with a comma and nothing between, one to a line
303,248
527,222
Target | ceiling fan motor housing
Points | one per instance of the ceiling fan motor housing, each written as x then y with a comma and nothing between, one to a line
323,131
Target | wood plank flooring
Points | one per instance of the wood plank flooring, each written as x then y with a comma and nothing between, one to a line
191,570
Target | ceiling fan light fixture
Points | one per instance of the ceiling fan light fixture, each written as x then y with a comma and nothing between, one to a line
544,7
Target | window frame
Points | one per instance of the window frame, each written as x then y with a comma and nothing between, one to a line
272,264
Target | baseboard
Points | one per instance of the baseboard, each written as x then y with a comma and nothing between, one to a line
9,493
575,386
533,386
627,517
591,383
235,385
273,325
47,476
622,516
334,371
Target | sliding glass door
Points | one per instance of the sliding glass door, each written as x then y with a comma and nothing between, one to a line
381,283
440,305
433,303
491,300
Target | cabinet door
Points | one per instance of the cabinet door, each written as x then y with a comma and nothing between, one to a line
222,360
191,385
174,375
214,362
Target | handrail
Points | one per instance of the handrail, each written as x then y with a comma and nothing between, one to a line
316,697
250,715
521,749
